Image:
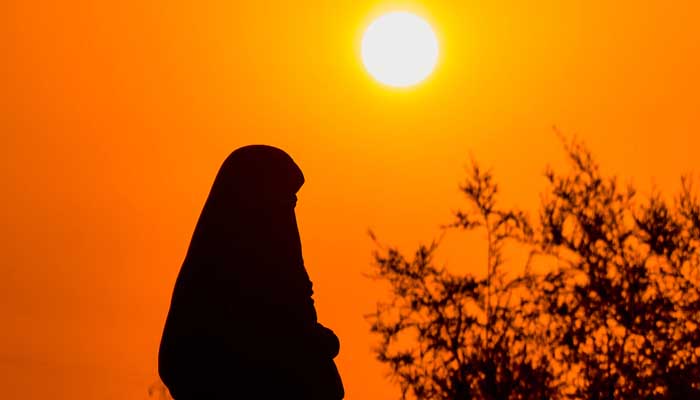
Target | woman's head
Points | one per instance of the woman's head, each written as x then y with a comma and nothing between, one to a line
257,175
251,207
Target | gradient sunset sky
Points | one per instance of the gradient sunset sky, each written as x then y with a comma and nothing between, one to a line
116,115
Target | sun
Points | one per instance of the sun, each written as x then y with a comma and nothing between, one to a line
399,49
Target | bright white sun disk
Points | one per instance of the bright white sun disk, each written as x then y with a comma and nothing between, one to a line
399,49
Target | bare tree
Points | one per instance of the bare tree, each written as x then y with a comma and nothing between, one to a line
449,336
614,315
625,295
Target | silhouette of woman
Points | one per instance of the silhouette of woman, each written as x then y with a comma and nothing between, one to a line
242,322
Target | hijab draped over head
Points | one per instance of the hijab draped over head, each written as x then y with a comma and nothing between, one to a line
241,316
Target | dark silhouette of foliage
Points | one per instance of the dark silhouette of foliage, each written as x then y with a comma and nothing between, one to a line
625,296
448,336
615,313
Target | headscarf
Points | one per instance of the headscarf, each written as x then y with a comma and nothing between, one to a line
241,313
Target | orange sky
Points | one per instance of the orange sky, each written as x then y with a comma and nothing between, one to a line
115,116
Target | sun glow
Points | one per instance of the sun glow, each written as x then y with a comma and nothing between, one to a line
399,49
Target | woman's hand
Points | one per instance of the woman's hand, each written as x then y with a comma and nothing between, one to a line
327,341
